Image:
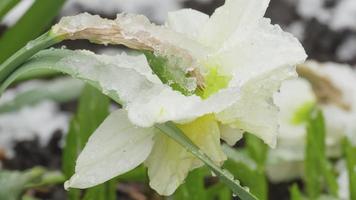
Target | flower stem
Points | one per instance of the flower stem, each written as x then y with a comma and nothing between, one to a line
226,177
11,64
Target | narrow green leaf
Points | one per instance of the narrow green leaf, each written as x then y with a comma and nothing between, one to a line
106,191
46,60
219,191
247,170
317,167
295,193
226,177
59,90
31,25
169,73
14,183
18,58
93,109
6,6
350,153
257,150
193,187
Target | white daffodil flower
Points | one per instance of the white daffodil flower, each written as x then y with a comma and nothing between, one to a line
219,73
333,88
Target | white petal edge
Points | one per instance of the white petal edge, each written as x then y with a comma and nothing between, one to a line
116,147
256,112
260,50
232,18
187,21
230,135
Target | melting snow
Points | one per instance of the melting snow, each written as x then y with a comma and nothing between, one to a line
347,50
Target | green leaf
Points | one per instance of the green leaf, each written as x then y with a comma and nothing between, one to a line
350,152
317,166
59,90
47,60
106,191
14,183
170,73
93,109
247,170
219,191
226,177
193,187
6,6
14,62
31,25
295,193
257,150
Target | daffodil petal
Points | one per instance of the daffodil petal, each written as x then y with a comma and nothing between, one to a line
230,135
187,21
169,163
167,105
116,147
232,18
133,31
256,112
129,80
258,51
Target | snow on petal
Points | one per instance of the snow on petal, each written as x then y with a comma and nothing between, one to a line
232,18
169,163
258,51
116,147
147,99
168,105
255,112
187,21
133,31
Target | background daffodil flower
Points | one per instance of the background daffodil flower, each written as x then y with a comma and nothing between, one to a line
213,76
331,87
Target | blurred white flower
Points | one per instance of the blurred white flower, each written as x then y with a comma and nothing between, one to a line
335,93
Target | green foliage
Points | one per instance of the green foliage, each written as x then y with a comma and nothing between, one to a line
106,191
31,25
295,193
93,109
45,60
350,154
14,62
225,176
170,73
247,170
6,6
317,167
59,90
219,191
14,183
193,188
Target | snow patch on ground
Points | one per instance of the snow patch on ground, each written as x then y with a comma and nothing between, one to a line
347,50
156,10
341,16
16,13
39,121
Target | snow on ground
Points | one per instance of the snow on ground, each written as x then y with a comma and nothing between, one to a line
39,121
156,10
347,50
16,13
340,16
